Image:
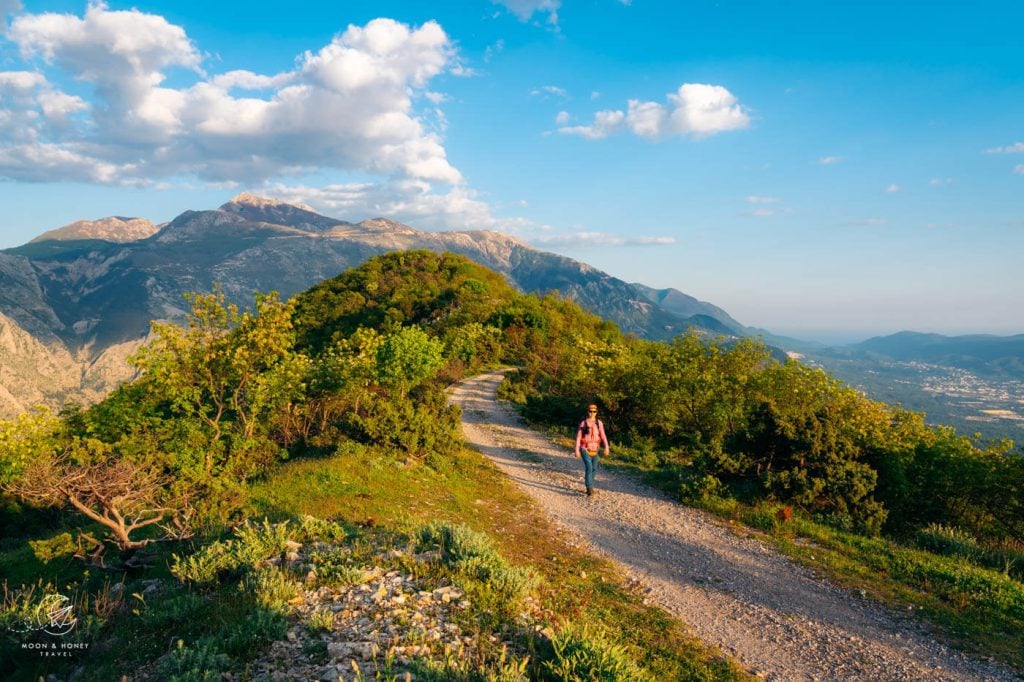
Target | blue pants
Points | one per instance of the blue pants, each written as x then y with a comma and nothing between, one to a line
589,467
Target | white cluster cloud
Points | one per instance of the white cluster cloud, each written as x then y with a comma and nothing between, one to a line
492,50
549,90
938,182
695,109
595,239
524,9
8,7
831,160
1016,148
32,110
416,204
870,222
605,123
1019,169
409,201
765,207
893,188
350,105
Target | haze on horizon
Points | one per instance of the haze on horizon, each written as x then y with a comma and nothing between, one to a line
829,171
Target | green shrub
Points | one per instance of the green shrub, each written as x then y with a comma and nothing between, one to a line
642,451
947,540
697,486
271,588
499,668
258,542
174,611
253,545
584,653
59,546
313,529
333,567
250,635
473,558
761,518
205,566
200,663
321,620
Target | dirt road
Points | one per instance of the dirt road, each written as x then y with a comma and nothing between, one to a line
776,618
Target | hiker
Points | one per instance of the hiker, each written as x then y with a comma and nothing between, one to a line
589,437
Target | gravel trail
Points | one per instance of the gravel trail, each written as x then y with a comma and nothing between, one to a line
776,618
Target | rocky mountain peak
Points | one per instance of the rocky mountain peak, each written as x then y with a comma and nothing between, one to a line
277,212
246,200
118,229
386,225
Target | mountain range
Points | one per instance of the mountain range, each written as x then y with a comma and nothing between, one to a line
981,353
76,301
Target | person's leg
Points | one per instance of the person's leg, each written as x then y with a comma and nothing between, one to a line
588,469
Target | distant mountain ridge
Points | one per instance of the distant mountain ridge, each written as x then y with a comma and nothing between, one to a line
86,293
685,306
711,318
113,229
980,353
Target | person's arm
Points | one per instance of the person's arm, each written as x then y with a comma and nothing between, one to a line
579,439
604,438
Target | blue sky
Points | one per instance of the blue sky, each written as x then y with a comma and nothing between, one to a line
830,170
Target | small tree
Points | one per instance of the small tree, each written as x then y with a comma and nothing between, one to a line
406,358
182,438
44,465
225,376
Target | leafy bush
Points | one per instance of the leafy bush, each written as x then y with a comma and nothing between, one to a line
176,610
271,588
252,546
321,620
333,567
251,634
205,566
57,547
455,668
585,653
199,663
947,540
255,543
473,558
312,529
419,424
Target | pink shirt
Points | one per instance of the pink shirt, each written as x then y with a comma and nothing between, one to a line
593,439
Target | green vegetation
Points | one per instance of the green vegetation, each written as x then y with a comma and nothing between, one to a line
980,607
725,420
326,416
722,426
323,417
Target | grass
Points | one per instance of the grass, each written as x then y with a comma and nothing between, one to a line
575,587
976,608
228,611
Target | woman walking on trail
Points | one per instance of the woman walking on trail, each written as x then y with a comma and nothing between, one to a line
590,436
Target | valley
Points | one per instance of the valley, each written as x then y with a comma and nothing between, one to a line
971,402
